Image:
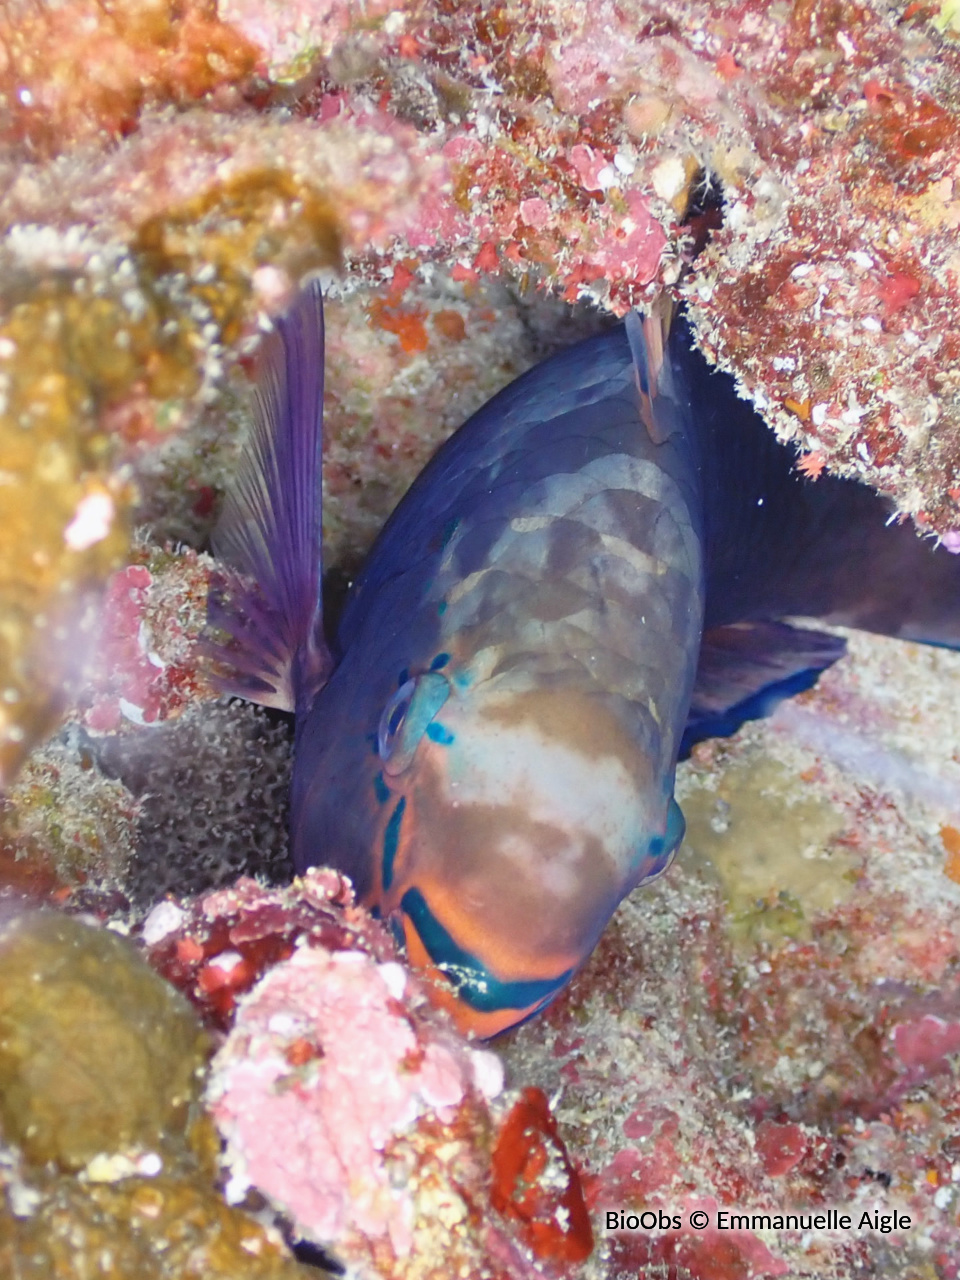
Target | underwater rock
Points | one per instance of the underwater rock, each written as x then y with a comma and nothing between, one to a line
364,1128
109,1165
64,827
104,345
133,56
778,1033
559,145
218,946
98,1057
350,1102
154,217
147,666
137,1228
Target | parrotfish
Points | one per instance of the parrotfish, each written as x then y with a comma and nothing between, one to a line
589,575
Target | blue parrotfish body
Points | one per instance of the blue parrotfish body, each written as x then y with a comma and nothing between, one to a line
586,577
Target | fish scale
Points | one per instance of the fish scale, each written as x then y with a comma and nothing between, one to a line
588,576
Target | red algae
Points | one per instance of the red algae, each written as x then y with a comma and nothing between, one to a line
535,1183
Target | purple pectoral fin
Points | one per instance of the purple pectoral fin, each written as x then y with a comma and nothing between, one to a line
745,669
269,535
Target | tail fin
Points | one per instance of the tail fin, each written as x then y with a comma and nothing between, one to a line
269,534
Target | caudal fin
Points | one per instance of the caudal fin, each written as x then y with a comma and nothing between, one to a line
267,598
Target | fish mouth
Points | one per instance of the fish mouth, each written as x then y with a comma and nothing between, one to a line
479,1002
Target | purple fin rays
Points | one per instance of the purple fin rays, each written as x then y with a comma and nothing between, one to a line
268,600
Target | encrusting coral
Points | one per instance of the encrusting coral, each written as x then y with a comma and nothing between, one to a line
350,1103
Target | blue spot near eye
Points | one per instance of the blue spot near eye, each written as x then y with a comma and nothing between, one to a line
391,839
441,608
475,984
374,740
439,733
380,789
403,677
439,661
659,851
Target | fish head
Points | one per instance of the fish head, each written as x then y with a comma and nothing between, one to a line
498,824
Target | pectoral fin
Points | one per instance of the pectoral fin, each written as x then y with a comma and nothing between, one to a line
745,669
268,598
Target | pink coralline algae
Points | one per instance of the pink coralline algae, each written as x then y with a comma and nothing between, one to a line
349,1102
320,1078
926,1043
148,664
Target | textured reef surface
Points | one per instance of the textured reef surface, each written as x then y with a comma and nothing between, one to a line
775,1027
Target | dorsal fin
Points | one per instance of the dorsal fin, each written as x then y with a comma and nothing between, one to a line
269,534
648,337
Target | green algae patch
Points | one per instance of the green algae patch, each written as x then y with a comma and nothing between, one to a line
98,1056
771,845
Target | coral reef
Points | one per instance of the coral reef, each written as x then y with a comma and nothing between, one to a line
773,1028
147,667
63,826
69,1096
150,226
350,1102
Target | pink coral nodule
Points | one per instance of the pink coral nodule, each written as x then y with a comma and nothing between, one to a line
309,1128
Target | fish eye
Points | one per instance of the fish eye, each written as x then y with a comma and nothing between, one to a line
662,850
392,718
405,718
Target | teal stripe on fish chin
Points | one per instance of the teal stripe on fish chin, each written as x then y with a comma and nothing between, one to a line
473,981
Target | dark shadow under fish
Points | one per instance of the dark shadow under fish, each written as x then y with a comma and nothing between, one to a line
587,577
